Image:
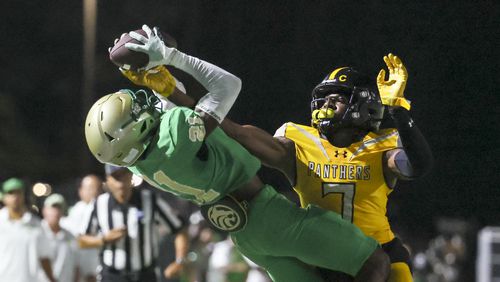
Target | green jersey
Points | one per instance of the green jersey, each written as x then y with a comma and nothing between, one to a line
182,161
279,236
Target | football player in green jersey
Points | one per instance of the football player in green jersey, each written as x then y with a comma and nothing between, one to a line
183,151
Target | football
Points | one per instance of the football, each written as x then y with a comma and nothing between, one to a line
132,60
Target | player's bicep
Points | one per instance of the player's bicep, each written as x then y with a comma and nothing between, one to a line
398,163
271,151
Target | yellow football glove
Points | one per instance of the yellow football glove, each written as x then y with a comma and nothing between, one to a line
392,90
158,79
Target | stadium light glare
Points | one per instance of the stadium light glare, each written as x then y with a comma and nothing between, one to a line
41,189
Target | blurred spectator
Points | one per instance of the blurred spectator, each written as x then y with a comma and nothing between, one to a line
122,224
90,188
202,245
443,260
226,264
62,244
23,248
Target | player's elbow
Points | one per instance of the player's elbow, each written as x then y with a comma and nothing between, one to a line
412,166
232,84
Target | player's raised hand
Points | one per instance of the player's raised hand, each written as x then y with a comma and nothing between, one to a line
153,46
392,90
158,79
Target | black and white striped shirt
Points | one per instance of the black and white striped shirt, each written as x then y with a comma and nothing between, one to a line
140,216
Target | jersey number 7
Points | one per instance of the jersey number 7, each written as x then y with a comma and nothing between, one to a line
347,191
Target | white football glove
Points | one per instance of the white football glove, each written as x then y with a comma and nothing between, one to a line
153,46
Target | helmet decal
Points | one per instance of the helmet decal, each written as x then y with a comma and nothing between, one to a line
342,77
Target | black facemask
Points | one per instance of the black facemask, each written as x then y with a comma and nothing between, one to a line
363,114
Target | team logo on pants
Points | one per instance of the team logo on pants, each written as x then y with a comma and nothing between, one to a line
227,214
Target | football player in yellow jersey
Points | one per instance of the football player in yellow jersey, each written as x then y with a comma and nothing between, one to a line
344,162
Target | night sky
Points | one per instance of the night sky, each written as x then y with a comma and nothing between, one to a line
281,50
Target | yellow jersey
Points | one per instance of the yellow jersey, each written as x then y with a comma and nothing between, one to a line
349,181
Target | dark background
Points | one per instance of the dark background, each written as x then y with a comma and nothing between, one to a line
281,50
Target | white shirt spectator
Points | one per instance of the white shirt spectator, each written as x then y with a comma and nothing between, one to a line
88,259
63,253
22,245
226,263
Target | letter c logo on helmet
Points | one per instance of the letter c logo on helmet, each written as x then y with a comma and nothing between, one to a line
344,78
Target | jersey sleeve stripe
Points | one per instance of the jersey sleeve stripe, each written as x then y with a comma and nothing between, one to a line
280,132
315,139
371,142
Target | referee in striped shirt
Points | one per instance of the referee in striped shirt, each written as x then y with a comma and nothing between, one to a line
123,223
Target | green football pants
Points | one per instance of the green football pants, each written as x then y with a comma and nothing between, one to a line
287,240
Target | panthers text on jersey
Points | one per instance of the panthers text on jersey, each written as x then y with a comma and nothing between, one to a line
349,181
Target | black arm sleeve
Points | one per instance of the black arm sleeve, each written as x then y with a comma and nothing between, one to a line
417,149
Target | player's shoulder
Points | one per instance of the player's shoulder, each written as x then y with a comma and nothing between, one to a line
289,127
179,117
181,132
383,139
384,133
177,113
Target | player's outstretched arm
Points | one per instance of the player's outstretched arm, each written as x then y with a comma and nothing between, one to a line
273,152
213,107
415,159
223,86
